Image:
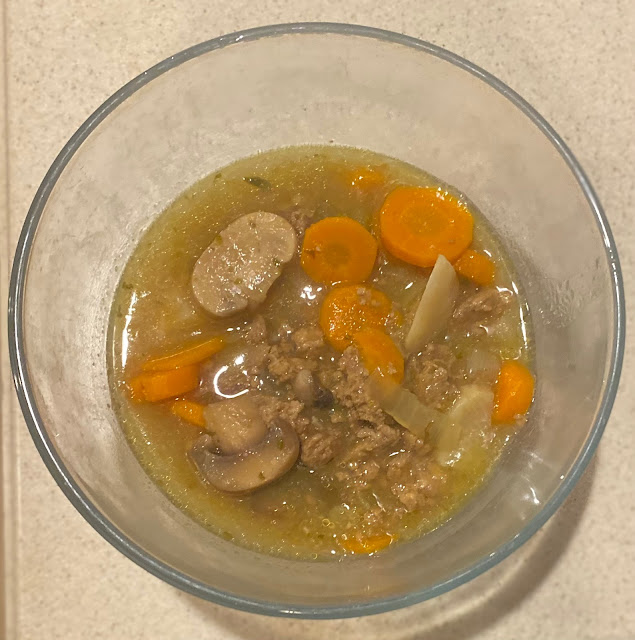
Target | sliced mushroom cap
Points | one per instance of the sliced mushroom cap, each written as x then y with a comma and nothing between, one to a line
235,424
236,271
248,470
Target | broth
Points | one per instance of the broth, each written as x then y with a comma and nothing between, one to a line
335,507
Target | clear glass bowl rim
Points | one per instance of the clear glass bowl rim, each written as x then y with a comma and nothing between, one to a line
99,521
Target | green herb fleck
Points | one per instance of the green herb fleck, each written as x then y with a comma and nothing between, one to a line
261,475
227,535
218,239
238,280
127,285
281,444
256,181
218,176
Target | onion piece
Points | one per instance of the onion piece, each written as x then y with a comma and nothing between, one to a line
467,424
482,366
402,405
435,307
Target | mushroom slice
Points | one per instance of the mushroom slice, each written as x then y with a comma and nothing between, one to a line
248,470
235,424
237,269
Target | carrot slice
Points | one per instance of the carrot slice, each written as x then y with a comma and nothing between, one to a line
160,385
371,544
379,353
365,178
347,310
476,267
191,412
191,354
338,250
417,224
513,392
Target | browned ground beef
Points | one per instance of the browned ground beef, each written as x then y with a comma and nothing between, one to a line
300,218
430,376
285,367
350,387
273,408
415,480
342,430
484,305
308,339
319,445
257,331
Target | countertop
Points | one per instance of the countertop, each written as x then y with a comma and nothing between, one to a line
574,61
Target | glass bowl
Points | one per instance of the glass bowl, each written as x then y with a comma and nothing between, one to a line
286,85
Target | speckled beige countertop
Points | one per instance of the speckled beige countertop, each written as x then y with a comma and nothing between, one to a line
574,61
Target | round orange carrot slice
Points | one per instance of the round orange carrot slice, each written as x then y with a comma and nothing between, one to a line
417,224
338,250
347,310
379,353
476,267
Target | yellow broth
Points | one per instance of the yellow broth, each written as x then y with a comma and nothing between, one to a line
302,515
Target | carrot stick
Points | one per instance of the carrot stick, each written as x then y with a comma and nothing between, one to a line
371,544
160,385
190,354
191,412
513,392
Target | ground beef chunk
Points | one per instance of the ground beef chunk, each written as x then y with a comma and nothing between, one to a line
350,388
300,219
364,457
484,305
432,385
272,408
358,473
370,439
319,447
285,367
413,443
416,481
430,375
308,339
257,331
